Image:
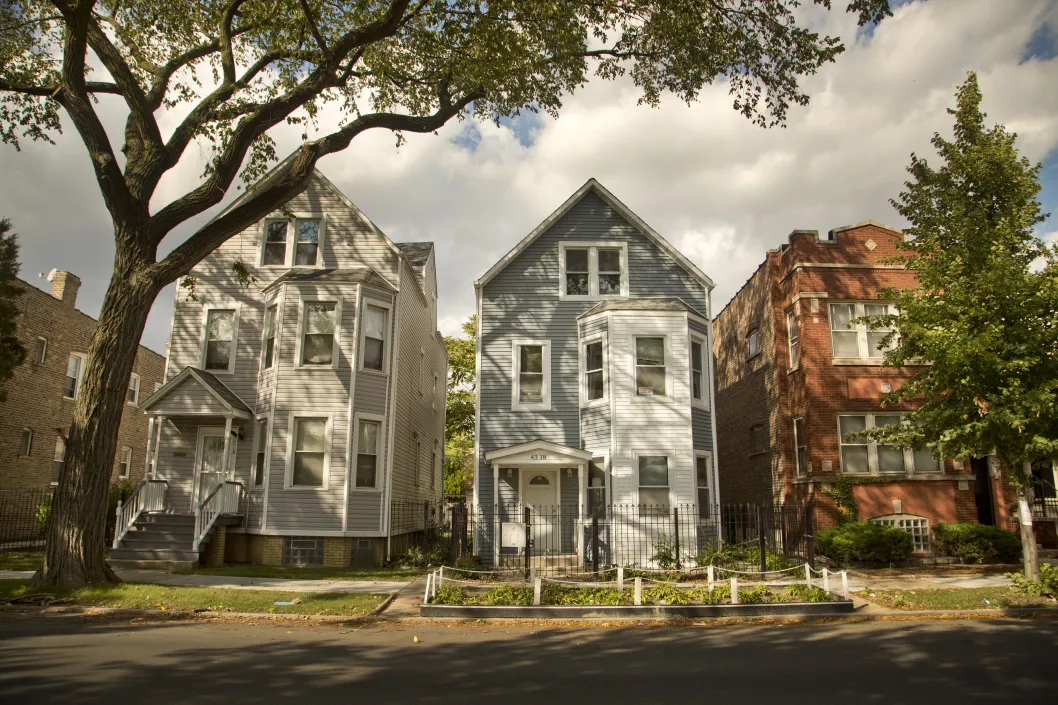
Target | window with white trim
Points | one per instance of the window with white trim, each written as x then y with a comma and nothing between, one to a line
753,343
260,442
274,249
25,445
704,497
74,371
310,452
367,454
220,336
307,245
593,271
532,375
698,389
433,465
597,487
292,243
433,396
650,366
858,341
125,462
268,336
60,454
422,372
373,338
917,526
417,476
319,321
653,482
862,457
133,394
40,353
801,457
594,375
794,340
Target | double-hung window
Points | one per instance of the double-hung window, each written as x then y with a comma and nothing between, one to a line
532,375
292,243
133,394
367,454
373,338
125,462
597,487
268,344
593,271
862,457
220,338
25,446
40,352
698,388
650,367
800,445
594,376
417,476
701,467
60,454
654,483
753,343
850,340
311,451
260,449
74,371
795,345
433,465
319,324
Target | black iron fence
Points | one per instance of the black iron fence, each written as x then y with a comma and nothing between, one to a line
24,515
1044,499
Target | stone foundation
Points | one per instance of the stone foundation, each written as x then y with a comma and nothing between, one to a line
215,549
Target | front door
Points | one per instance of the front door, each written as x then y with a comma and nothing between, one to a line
540,494
983,491
209,462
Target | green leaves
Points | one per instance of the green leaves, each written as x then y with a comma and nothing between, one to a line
12,352
460,409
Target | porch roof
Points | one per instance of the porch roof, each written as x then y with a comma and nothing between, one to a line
539,451
222,401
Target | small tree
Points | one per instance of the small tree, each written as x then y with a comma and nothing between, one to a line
460,408
12,352
985,312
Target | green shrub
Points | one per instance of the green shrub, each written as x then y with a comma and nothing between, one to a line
741,555
503,595
977,543
803,593
1046,586
756,595
552,594
667,595
870,544
450,595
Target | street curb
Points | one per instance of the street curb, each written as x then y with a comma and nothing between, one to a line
791,609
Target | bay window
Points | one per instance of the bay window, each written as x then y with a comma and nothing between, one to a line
698,390
594,378
654,482
311,451
269,337
319,321
367,454
373,338
650,367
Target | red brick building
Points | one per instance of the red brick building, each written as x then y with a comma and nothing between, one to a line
41,394
795,377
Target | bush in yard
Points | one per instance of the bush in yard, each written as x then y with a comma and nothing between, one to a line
977,543
1046,586
450,595
864,543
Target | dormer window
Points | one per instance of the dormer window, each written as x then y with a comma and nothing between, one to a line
292,243
593,271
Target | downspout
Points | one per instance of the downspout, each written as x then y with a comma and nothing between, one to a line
387,500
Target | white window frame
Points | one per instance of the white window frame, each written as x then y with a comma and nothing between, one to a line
516,364
583,362
434,455
233,306
606,482
800,442
753,334
387,342
80,374
872,450
43,351
270,304
645,398
303,302
125,459
417,474
25,443
380,450
710,489
422,371
862,345
436,384
593,248
908,523
135,401
292,236
671,468
60,440
703,402
288,478
259,436
793,339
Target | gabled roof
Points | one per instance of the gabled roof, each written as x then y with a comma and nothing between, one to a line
650,304
418,253
564,453
214,386
364,275
624,211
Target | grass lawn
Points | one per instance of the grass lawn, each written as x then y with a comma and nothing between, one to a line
953,598
189,598
313,572
21,560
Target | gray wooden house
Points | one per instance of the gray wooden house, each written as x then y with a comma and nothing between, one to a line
300,413
595,387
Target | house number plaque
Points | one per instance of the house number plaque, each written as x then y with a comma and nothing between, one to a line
538,456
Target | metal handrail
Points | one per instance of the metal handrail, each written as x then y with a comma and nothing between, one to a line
149,496
224,499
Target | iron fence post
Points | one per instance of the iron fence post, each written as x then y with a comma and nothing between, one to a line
595,541
811,548
528,541
676,521
762,541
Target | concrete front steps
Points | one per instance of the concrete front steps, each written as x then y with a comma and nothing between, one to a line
158,542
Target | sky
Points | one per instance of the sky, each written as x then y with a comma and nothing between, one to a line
720,189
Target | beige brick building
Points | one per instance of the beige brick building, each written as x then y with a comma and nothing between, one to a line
40,395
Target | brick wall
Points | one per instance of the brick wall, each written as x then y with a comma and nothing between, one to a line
35,392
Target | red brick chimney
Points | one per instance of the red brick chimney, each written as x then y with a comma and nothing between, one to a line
64,286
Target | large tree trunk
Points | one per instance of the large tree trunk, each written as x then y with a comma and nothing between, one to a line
75,552
1029,554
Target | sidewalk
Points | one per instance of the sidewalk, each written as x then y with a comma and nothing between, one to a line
231,582
859,582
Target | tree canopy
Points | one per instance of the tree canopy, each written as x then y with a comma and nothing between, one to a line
460,408
12,352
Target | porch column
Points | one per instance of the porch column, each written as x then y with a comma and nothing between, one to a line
158,425
497,529
582,469
227,447
147,474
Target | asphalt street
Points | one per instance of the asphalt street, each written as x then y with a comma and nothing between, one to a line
69,660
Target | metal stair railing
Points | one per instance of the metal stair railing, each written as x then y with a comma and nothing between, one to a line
224,499
149,496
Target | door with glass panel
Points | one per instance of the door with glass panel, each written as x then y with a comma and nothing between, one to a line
209,463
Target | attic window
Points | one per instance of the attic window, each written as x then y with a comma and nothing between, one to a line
294,242
593,270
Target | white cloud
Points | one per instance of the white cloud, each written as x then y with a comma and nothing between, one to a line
719,188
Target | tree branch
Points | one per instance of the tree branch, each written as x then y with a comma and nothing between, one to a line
52,91
315,30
